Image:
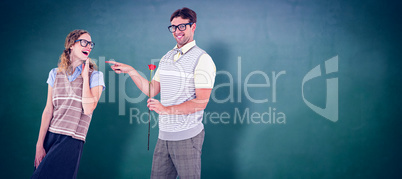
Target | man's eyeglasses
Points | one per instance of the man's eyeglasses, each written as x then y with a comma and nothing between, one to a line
182,27
85,43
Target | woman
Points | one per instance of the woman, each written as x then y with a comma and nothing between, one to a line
73,93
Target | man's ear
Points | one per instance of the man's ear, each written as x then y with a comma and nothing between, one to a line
194,26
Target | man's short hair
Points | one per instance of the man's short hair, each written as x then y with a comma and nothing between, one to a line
185,13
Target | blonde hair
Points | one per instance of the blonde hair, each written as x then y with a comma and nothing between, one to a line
65,62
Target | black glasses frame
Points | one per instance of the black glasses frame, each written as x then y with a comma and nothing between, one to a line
85,43
181,27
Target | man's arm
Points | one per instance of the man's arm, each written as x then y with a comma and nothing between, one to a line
140,82
197,104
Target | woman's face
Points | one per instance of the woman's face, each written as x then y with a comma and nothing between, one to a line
78,52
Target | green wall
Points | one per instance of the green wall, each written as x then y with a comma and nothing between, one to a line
304,89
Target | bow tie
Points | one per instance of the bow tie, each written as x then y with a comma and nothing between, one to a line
178,50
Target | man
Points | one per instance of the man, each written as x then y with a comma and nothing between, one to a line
185,78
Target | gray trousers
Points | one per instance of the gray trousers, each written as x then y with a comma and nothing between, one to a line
178,158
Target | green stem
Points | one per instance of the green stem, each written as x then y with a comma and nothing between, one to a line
149,111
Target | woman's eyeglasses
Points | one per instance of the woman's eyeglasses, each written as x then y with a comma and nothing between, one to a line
85,43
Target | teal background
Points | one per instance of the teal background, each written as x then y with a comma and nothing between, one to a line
269,36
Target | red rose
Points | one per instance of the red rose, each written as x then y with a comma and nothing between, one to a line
151,67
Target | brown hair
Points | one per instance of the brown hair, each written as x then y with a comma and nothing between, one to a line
65,62
185,13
